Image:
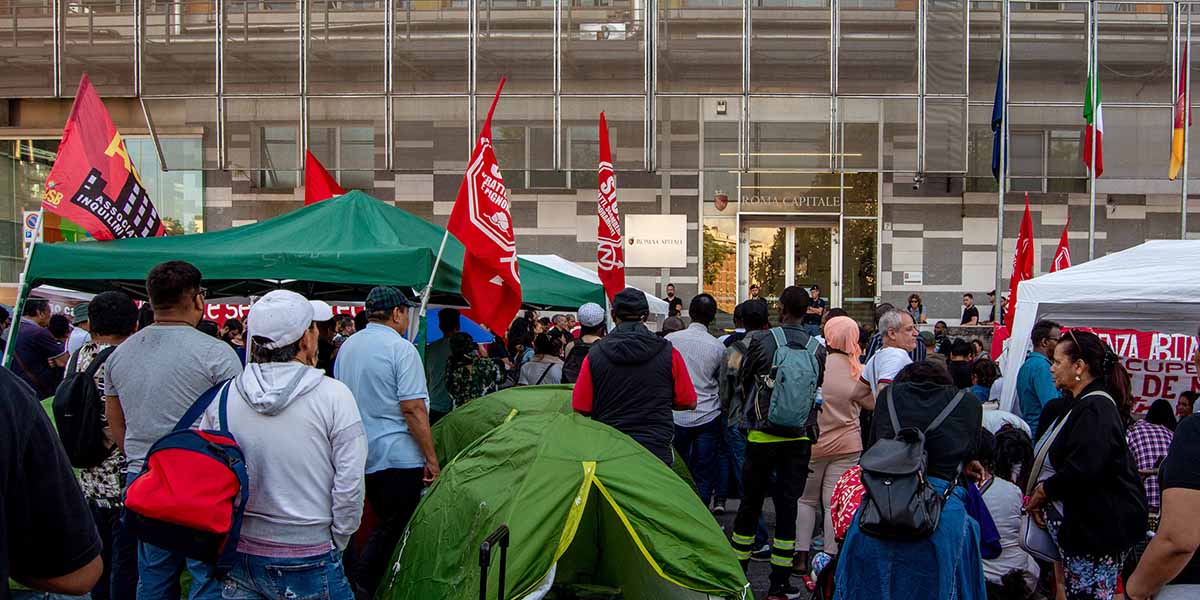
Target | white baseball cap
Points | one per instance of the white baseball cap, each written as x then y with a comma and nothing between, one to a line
591,315
282,317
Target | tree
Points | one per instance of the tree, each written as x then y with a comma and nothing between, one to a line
716,251
172,226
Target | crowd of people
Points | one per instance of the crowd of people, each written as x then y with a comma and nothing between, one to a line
892,472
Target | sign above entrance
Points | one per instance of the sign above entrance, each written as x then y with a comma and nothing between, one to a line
786,202
730,194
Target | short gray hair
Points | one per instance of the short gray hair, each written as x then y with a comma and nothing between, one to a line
892,319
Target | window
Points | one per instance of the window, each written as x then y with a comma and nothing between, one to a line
277,148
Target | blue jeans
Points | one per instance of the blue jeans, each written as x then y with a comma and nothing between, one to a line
159,571
698,446
266,578
731,456
32,595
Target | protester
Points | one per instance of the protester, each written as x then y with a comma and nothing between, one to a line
674,303
959,365
115,320
303,440
632,380
48,540
211,329
5,322
520,341
1169,568
234,334
591,329
915,309
698,431
948,564
145,316
360,321
979,350
732,455
384,373
81,328
152,379
546,366
468,375
754,291
916,352
844,395
60,327
327,350
437,363
931,353
984,374
1186,404
773,450
1148,441
1035,384
898,335
941,337
671,325
816,310
970,315
1014,573
1013,456
38,356
344,328
1088,495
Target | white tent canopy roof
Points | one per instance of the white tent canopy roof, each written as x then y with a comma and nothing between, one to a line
562,265
1151,287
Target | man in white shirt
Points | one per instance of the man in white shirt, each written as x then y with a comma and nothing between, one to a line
698,432
899,338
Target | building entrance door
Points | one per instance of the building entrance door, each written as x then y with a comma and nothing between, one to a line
775,254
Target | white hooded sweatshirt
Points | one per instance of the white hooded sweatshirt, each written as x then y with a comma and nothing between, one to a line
305,453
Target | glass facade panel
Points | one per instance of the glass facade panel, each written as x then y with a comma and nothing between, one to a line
178,194
431,134
1049,51
697,133
26,48
790,133
523,139
859,264
516,40
262,44
1135,52
1139,132
432,46
262,138
789,46
187,118
343,134
179,48
720,262
346,46
946,47
98,40
699,46
626,133
878,135
945,132
603,46
877,47
986,45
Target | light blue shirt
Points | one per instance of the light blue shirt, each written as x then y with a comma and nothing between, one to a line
381,368
1035,388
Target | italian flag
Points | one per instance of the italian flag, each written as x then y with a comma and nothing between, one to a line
1094,115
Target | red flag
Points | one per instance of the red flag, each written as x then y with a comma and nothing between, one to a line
318,183
94,183
610,252
481,221
1022,262
1062,256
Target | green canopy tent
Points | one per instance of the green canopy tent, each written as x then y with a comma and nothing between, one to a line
578,497
332,250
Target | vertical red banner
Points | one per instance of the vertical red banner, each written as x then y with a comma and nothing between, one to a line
610,249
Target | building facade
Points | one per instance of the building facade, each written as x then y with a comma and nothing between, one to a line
844,143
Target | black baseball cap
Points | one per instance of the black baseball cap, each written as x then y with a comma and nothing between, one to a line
630,303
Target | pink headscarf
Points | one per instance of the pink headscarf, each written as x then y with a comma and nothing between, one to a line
841,333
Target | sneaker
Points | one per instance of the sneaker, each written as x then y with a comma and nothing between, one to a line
786,592
763,554
718,506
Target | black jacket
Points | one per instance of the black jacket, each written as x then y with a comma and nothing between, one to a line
1096,478
633,389
761,354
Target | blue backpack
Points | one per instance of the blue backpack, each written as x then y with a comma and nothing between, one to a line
785,400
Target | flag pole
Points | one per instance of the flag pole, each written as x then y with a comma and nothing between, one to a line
1094,77
1187,124
19,306
1003,167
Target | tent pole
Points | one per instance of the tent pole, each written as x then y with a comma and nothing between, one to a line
432,275
18,306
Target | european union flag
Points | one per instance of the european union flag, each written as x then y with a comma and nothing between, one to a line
998,120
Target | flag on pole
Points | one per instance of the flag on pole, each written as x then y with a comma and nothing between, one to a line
998,120
1183,119
610,252
1093,114
94,183
1062,256
318,183
481,221
1022,262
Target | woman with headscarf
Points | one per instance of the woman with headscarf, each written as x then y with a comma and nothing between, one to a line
468,375
838,447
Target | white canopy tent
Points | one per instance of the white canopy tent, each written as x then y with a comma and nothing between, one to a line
658,307
1151,287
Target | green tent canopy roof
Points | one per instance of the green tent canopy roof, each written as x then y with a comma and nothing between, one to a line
577,496
332,250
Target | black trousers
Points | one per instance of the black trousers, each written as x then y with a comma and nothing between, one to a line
789,462
394,495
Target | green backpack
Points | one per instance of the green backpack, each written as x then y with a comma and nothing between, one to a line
786,398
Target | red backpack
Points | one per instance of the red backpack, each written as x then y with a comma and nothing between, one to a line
192,491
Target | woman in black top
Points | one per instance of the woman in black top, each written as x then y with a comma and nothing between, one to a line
1097,508
1171,559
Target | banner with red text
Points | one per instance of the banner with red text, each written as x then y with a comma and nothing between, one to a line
1160,364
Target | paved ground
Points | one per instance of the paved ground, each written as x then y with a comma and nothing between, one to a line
758,570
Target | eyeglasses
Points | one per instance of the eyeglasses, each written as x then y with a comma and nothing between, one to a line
203,292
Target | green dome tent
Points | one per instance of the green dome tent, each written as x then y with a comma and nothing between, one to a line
576,495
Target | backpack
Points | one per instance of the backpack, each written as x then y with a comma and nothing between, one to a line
192,491
79,413
730,384
899,503
574,362
785,398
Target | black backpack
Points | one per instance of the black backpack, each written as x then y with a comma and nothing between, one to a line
574,362
898,501
79,414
